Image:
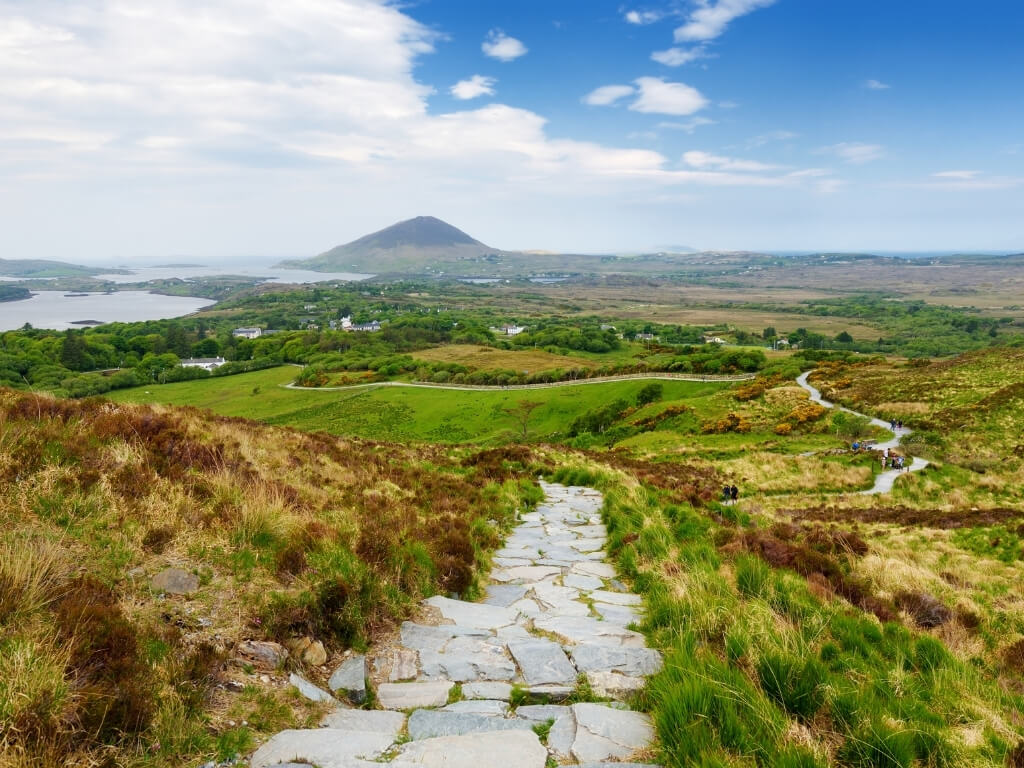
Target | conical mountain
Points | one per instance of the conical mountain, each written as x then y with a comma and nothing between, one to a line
408,246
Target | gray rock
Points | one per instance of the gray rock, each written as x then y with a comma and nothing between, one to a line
350,679
541,713
488,707
175,581
468,659
262,654
324,747
487,690
403,665
582,582
477,615
613,685
365,720
430,723
583,629
420,637
562,735
309,690
551,692
623,615
600,570
615,598
604,733
526,573
475,750
504,594
542,662
589,657
413,695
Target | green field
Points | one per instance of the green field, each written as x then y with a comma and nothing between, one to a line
401,413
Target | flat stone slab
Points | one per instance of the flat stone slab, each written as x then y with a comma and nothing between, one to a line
613,685
603,733
476,750
579,581
487,690
615,598
623,615
430,723
561,736
308,690
542,662
467,659
526,573
504,594
488,707
349,679
478,615
175,581
421,637
413,695
541,713
365,721
591,568
324,747
582,629
589,657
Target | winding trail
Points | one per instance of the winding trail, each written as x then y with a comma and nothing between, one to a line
554,614
885,480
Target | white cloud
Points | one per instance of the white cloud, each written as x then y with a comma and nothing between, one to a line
767,138
710,18
706,160
608,94
876,85
666,98
962,175
500,46
854,152
471,88
689,126
643,17
676,57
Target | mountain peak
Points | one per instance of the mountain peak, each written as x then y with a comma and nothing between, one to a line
420,232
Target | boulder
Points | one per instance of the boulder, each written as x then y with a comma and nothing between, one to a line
175,581
262,654
350,679
309,690
315,655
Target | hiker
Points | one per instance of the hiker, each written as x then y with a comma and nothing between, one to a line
726,493
899,424
734,492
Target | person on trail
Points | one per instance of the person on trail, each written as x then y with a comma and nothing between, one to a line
734,492
899,424
726,493
856,447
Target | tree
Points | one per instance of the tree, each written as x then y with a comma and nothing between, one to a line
769,332
521,412
649,393
844,338
73,352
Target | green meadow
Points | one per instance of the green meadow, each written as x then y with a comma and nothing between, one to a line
404,413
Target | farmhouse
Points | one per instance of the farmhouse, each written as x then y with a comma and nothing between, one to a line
508,330
206,363
247,333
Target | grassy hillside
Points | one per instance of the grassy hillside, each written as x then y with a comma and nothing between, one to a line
284,534
400,413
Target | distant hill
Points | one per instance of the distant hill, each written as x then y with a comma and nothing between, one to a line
414,245
43,268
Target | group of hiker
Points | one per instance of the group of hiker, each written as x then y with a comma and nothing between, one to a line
895,424
895,462
730,493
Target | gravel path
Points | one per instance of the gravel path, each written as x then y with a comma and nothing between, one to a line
554,615
884,480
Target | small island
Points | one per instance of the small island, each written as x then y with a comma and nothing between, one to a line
14,293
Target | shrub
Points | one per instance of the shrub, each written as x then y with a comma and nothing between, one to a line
753,576
796,684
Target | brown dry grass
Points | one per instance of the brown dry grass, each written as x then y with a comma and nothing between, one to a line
490,359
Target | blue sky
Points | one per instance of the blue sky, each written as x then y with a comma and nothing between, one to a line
134,131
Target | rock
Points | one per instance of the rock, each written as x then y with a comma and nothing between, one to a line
350,679
430,723
403,665
541,713
477,615
623,615
309,690
487,690
526,573
263,654
551,692
175,581
599,570
583,629
365,721
603,732
504,594
542,662
468,659
562,735
589,657
580,581
420,637
413,695
488,707
476,750
315,655
615,598
324,747
613,685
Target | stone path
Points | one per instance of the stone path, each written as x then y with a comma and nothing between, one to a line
883,480
554,616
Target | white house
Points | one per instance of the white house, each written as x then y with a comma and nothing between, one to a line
247,333
206,363
714,340
508,330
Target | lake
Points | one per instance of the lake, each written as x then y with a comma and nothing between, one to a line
270,274
52,309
